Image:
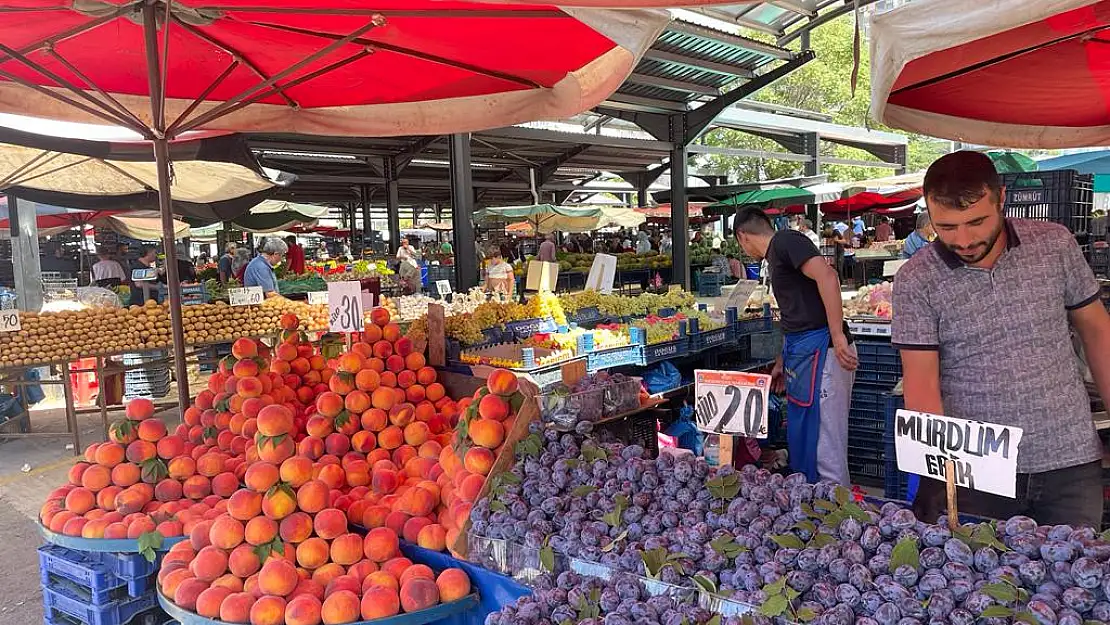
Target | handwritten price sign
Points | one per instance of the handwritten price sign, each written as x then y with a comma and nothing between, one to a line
345,306
9,321
732,402
246,296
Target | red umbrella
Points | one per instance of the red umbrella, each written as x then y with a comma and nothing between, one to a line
333,67
870,200
1015,73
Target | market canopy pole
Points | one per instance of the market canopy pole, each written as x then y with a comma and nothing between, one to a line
165,202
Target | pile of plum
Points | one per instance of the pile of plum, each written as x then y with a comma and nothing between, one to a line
799,552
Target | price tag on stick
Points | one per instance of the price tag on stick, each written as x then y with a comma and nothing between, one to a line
732,402
443,287
246,296
9,321
345,306
969,454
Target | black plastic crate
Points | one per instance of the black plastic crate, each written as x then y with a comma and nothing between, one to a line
1062,196
883,381
878,356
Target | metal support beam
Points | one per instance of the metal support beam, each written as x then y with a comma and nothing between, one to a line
548,169
680,218
681,86
392,202
709,34
414,150
699,64
812,168
364,202
462,213
25,253
855,162
902,157
782,156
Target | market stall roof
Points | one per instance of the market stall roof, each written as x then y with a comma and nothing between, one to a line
776,197
142,225
102,167
545,218
1007,73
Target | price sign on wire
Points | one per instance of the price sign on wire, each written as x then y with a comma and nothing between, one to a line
345,306
732,402
9,321
315,298
443,287
245,296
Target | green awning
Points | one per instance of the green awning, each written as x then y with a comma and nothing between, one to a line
763,198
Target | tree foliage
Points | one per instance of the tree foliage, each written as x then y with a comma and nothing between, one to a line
822,85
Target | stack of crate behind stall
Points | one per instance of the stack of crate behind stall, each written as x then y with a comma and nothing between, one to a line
879,370
150,378
97,588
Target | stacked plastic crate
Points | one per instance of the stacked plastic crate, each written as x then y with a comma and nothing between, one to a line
150,378
879,370
98,588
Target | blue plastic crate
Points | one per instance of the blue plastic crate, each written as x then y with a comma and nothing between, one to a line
63,599
126,565
665,351
754,326
615,357
99,582
710,339
153,616
883,381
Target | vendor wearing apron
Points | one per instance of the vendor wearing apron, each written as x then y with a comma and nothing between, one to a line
818,358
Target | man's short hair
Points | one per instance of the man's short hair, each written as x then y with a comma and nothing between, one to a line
960,179
923,220
273,245
290,240
144,250
752,220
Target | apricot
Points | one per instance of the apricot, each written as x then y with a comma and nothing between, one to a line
380,544
304,609
296,471
243,561
380,602
432,536
260,530
209,563
312,496
268,610
295,528
330,523
453,584
188,591
236,607
277,577
312,553
341,607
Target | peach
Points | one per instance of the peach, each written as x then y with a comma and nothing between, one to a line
479,460
432,536
260,476
363,441
196,487
367,380
374,516
296,471
435,391
152,430
268,610
308,586
419,501
391,437
139,409
402,414
209,563
362,568
312,553
311,447
199,535
396,521
229,581
110,454
209,601
329,404
226,532
419,594
416,571
174,579
403,454
326,573
274,451
471,487
416,433
139,451
488,433
279,503
170,528
341,607
244,348
381,579
275,420
332,475
380,544
244,504
187,592
312,496
380,602
304,609
411,531
277,577
357,401
210,464
493,407
243,561
453,584
75,526
129,501
225,484
346,549
260,530
247,387
343,582
338,443
389,380
236,607
295,528
182,468
80,500
330,523
395,363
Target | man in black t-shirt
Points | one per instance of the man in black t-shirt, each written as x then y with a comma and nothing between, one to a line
818,358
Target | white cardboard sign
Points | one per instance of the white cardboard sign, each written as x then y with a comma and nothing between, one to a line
246,296
315,298
345,306
9,321
603,272
985,454
443,287
732,402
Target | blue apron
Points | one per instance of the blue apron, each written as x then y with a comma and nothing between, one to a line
803,362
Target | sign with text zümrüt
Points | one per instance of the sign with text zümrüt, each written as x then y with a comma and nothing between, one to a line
984,454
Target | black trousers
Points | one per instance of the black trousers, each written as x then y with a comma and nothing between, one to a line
1072,495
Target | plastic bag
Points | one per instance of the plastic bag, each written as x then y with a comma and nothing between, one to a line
685,430
662,377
